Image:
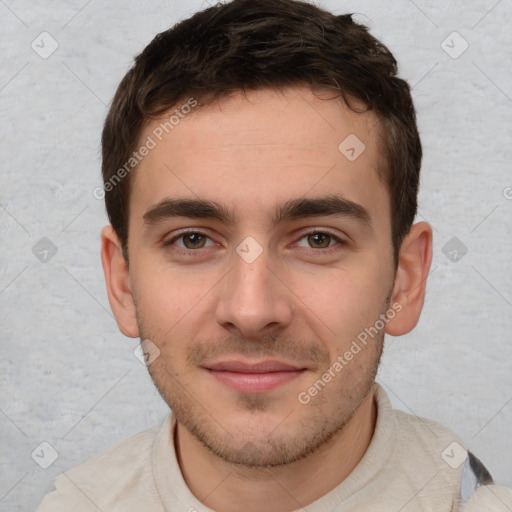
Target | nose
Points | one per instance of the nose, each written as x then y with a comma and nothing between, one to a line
253,300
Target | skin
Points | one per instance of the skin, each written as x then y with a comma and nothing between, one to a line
303,300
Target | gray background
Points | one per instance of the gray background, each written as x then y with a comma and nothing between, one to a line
68,377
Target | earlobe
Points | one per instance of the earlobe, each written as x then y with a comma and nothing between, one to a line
411,279
117,280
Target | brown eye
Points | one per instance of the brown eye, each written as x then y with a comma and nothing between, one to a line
194,241
189,242
319,240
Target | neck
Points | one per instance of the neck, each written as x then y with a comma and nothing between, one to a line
228,488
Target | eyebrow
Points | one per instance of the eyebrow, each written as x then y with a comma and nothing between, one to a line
192,208
321,206
294,209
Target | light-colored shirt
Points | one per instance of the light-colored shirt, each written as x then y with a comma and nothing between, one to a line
412,464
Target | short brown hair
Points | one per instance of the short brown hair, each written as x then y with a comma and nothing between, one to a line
247,45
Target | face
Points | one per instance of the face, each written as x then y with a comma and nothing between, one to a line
259,252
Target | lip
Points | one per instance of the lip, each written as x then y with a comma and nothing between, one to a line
253,377
265,366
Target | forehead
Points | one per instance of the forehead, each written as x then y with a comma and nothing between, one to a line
262,147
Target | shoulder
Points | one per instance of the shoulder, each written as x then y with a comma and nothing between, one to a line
431,438
109,478
436,448
447,467
490,498
427,458
427,440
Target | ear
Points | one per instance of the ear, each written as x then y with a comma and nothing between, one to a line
117,279
411,279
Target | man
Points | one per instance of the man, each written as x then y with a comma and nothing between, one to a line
261,165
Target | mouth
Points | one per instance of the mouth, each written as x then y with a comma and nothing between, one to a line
254,377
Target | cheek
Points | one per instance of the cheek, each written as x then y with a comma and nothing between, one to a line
168,300
340,304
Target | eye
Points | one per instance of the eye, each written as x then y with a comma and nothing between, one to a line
190,240
319,240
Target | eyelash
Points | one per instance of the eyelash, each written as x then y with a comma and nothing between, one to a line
187,252
340,242
327,250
